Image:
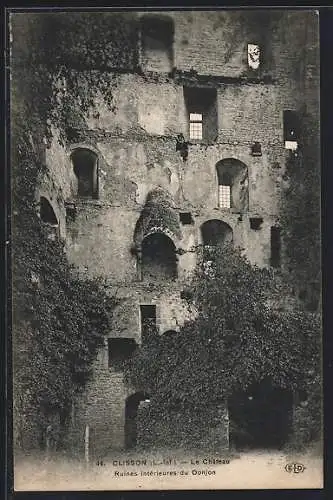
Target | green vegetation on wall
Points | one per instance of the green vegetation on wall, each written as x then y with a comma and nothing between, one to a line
59,318
237,339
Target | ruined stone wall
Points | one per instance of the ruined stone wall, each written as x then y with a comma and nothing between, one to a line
131,165
301,211
136,148
101,406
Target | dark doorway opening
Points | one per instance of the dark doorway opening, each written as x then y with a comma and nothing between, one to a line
260,417
131,416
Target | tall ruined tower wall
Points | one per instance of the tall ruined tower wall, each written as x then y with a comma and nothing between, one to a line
199,65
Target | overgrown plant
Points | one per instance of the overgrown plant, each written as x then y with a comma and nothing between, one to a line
242,335
158,213
59,66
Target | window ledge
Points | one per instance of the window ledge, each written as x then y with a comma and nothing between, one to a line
87,201
202,142
235,211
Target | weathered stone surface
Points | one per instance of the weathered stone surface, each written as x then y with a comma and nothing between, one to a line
136,147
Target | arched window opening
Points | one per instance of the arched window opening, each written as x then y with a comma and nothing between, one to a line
47,214
132,414
214,233
157,43
232,177
85,165
159,260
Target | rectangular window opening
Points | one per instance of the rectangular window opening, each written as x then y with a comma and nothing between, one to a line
256,149
157,33
186,218
201,108
290,129
224,196
253,55
120,350
148,321
255,223
275,247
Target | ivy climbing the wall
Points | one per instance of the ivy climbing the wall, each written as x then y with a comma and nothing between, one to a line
158,214
237,339
59,318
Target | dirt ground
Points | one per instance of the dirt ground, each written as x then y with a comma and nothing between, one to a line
171,470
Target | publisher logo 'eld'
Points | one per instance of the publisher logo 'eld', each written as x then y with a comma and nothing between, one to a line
295,468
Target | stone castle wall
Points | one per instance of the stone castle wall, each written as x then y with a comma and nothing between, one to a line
136,150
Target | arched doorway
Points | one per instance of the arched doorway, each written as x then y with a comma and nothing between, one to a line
131,416
260,417
159,260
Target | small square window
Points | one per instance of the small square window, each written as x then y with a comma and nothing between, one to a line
186,218
255,223
224,196
256,149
